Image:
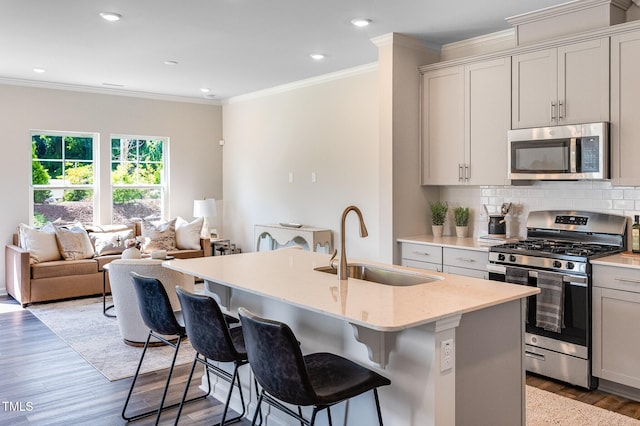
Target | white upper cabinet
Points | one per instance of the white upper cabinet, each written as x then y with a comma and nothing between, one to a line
625,107
443,126
466,115
564,85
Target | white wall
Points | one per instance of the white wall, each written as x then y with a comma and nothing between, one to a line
329,127
193,129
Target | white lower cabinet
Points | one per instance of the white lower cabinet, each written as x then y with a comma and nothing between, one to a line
459,261
616,316
470,263
422,256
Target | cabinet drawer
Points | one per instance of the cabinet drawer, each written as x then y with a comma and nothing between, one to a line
422,252
470,259
422,265
467,272
615,277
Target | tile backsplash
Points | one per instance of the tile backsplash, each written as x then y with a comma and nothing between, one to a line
599,196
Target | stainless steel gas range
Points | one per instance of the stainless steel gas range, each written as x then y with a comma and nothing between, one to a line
556,258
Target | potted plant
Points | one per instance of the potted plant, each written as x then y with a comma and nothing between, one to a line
461,216
438,216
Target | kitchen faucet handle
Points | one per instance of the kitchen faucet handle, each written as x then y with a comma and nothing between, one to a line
333,258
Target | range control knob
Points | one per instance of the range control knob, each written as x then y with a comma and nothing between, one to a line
570,265
557,264
512,258
501,257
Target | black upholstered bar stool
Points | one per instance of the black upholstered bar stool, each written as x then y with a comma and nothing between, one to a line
214,341
285,375
157,314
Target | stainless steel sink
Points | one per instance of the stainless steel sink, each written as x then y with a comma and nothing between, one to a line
381,275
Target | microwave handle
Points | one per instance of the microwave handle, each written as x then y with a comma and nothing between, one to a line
573,167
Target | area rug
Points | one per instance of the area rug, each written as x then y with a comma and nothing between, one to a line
546,408
81,324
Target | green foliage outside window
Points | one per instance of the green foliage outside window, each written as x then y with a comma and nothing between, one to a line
40,176
135,162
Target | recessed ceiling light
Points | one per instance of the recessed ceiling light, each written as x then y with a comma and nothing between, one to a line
39,70
205,90
171,62
110,16
317,56
361,22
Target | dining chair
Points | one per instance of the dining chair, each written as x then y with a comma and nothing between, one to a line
285,375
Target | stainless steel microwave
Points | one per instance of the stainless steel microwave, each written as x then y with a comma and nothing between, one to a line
572,152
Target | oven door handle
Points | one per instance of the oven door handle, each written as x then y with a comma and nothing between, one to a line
576,280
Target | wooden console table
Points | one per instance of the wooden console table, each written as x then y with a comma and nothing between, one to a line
281,235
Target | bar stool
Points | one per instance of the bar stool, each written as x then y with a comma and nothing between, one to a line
285,375
214,341
157,314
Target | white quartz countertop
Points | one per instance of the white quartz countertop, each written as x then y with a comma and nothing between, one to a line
288,275
469,243
625,260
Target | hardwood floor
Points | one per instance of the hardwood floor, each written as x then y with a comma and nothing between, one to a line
45,382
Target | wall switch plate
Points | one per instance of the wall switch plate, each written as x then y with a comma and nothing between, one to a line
314,177
290,177
446,355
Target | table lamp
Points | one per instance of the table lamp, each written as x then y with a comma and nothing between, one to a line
205,209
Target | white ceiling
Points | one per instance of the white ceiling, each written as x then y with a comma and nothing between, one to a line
233,47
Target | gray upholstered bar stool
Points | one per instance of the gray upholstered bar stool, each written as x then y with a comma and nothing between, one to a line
319,380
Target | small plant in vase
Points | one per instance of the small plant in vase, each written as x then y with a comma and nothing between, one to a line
132,248
438,216
461,216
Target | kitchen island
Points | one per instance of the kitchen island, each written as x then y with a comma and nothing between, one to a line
452,346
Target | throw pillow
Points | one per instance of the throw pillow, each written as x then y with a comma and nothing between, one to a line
105,243
40,243
188,233
74,243
160,237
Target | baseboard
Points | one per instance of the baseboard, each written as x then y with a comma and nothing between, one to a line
619,389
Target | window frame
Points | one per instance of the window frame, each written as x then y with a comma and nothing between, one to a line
95,162
163,186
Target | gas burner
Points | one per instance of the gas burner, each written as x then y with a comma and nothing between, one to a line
557,248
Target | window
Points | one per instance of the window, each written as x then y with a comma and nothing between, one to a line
62,177
138,178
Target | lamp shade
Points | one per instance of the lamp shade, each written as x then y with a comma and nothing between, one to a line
204,208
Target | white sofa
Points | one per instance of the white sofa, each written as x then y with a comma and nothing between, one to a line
132,328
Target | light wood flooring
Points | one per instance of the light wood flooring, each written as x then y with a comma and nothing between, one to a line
45,382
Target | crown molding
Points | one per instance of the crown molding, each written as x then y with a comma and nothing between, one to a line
562,9
105,91
349,72
497,41
399,39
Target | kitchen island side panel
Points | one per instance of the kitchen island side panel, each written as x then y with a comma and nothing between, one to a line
490,378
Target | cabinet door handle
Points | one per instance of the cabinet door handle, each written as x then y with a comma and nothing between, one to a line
627,280
465,259
467,172
460,178
560,109
421,253
553,111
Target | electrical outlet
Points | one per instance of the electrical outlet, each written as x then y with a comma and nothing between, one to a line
446,355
